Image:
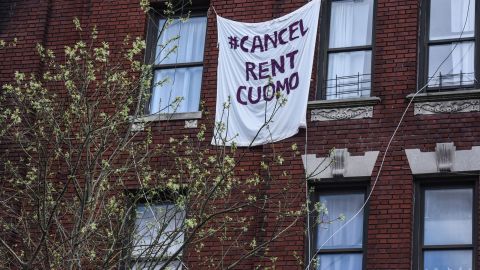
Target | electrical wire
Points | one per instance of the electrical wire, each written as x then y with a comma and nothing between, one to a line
389,144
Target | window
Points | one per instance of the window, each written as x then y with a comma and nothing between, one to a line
176,54
346,40
345,249
446,228
448,52
157,235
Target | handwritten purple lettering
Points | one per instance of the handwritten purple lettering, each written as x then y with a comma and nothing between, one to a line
280,71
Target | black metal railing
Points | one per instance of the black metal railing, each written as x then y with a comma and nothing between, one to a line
348,86
442,81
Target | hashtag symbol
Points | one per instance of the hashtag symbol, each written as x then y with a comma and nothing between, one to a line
233,41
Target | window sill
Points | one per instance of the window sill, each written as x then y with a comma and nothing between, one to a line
343,103
168,117
342,109
138,124
446,102
446,96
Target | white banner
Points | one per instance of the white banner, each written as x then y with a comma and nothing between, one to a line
263,77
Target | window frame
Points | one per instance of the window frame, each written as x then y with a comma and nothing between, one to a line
154,18
436,182
324,50
136,198
425,43
338,187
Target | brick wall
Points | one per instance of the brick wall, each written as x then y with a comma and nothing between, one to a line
390,216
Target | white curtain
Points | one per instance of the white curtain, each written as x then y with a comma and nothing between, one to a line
463,62
448,217
349,237
182,83
343,204
449,17
157,265
448,260
158,226
351,23
349,74
340,262
462,15
179,82
189,36
460,60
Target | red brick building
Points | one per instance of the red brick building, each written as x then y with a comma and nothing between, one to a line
372,57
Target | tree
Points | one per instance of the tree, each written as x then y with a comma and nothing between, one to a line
79,182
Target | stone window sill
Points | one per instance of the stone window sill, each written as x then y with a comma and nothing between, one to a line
189,117
169,116
446,96
343,103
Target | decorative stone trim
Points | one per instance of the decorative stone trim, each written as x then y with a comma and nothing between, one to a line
342,113
339,164
138,126
445,153
456,106
191,123
444,159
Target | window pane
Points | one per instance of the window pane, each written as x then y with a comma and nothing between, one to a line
189,36
340,262
449,17
180,83
351,23
157,265
157,230
457,70
337,205
448,260
448,217
349,74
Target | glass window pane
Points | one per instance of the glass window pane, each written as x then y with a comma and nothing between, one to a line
351,23
158,229
341,205
340,262
448,260
189,36
449,17
176,90
157,265
349,74
448,216
457,70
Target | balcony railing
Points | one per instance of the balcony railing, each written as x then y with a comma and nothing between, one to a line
348,86
451,80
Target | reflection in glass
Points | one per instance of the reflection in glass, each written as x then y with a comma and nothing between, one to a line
449,17
180,84
448,260
458,68
349,74
448,216
351,23
188,37
340,262
351,235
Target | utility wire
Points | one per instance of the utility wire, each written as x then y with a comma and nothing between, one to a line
390,142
